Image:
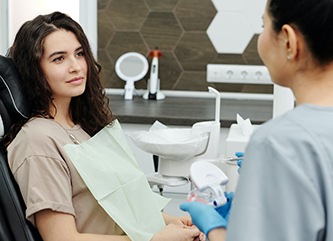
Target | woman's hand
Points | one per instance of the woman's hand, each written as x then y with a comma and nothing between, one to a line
205,217
174,232
183,222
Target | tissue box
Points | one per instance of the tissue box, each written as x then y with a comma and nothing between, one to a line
236,140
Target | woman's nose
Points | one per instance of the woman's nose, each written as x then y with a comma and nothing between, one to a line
74,65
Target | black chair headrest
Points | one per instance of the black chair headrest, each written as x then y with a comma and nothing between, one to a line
13,104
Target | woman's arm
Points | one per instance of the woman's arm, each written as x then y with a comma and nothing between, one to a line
55,226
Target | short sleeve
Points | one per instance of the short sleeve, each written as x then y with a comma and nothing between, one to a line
45,183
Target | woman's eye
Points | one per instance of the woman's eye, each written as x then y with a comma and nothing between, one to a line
81,53
58,59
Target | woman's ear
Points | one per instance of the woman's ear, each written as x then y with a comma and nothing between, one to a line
292,43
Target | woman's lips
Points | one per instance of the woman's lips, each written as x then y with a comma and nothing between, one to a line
76,80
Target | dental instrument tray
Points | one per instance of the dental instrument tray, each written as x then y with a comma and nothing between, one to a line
208,181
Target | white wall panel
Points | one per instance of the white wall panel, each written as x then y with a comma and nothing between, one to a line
235,24
82,11
21,11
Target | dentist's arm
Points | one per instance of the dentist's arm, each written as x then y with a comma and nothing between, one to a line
218,234
211,221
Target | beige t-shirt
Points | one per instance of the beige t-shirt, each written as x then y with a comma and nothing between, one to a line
48,179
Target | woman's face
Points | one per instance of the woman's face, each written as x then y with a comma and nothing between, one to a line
272,52
64,65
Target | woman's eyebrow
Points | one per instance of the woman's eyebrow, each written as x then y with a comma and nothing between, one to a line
57,53
64,52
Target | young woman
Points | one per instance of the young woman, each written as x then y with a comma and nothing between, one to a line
68,105
285,189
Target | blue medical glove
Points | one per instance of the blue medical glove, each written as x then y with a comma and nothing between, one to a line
240,161
224,210
204,216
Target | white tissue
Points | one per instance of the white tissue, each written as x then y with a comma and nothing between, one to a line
237,140
245,125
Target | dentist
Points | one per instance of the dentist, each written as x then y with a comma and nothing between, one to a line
285,190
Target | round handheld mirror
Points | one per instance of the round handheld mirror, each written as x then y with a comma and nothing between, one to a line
131,67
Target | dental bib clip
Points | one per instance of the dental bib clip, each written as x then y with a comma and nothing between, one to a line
208,181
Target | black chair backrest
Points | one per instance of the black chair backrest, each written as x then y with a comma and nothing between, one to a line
13,107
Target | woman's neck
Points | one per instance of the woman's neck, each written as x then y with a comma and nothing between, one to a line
65,121
61,113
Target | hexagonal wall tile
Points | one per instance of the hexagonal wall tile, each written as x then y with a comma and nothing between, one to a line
123,42
235,24
230,32
195,15
127,14
102,4
193,79
253,10
165,5
105,27
194,51
161,29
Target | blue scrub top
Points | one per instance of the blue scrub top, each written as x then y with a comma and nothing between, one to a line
285,188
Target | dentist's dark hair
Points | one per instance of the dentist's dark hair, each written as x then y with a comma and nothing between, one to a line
313,18
90,109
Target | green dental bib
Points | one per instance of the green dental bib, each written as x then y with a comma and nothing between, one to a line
110,171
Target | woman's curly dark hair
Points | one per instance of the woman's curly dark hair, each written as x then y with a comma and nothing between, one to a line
91,109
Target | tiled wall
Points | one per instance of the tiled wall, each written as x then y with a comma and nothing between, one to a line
179,29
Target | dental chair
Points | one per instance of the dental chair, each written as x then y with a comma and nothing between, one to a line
13,107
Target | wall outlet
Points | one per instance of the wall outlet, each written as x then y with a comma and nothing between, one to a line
238,74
